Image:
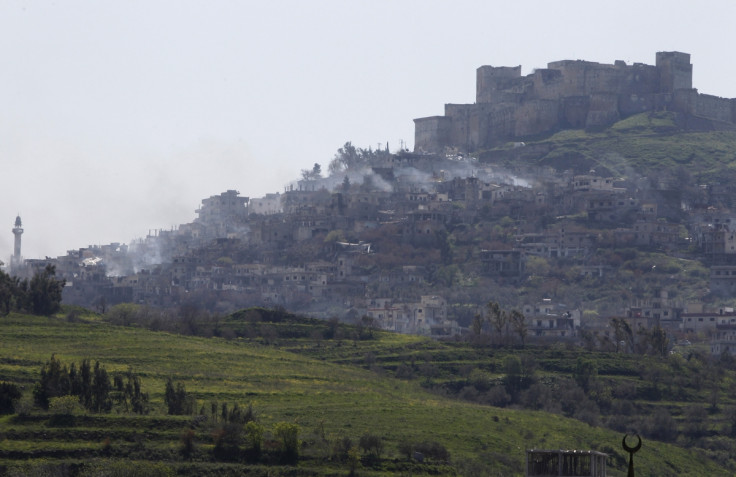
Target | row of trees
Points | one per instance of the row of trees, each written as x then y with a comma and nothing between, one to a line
39,296
349,157
500,322
91,385
646,341
236,433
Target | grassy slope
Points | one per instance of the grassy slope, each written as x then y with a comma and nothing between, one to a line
283,386
646,143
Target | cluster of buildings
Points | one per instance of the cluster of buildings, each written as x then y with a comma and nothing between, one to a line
292,249
395,237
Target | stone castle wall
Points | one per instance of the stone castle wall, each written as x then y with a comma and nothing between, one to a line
566,94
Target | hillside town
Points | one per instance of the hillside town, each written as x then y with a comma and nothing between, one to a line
421,242
418,243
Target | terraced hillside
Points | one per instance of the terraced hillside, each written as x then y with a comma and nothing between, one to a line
309,379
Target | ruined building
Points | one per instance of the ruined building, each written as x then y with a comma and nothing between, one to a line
569,94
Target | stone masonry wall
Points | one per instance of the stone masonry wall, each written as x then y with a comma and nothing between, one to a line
566,94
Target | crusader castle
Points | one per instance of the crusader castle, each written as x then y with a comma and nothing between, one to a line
569,94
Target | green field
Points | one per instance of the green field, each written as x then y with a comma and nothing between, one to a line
323,385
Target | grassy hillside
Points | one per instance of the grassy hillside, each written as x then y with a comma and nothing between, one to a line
643,144
316,383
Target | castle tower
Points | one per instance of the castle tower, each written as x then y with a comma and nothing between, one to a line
675,71
491,79
16,259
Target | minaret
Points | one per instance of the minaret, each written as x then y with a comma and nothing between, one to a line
16,261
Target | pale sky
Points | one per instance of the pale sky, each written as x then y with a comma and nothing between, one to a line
118,117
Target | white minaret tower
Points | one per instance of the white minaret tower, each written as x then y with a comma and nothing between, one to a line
16,260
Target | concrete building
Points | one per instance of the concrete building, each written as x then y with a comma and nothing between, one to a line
723,280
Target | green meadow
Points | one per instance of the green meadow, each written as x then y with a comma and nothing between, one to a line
331,388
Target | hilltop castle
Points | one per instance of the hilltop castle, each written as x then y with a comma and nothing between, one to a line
568,94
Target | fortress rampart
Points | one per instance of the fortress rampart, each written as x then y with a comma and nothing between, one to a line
566,94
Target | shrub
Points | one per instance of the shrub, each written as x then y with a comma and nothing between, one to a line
9,395
341,448
187,448
288,435
65,405
372,445
661,426
254,440
433,450
497,396
227,439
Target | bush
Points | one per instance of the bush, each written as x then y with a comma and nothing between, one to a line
372,445
254,440
187,448
9,395
433,450
661,426
227,439
288,435
341,448
497,396
65,405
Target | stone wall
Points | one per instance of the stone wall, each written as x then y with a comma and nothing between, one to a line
714,107
432,133
566,94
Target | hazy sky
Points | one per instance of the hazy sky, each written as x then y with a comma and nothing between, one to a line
119,117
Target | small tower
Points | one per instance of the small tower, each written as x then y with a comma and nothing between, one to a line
16,259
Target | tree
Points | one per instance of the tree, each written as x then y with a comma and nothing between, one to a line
497,318
100,389
254,439
54,382
622,332
177,400
372,445
288,435
187,447
227,438
477,324
519,376
313,174
9,394
585,373
656,340
347,157
518,323
82,382
44,292
138,400
9,291
91,387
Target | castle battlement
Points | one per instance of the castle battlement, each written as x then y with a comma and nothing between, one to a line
568,94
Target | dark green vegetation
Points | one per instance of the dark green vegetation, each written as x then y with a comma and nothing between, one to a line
320,398
40,296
